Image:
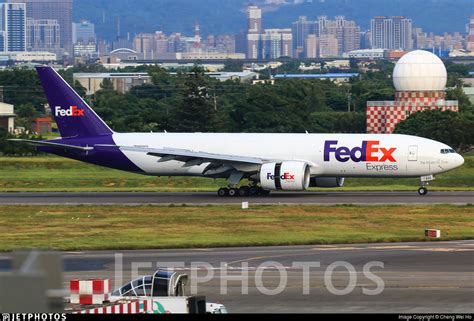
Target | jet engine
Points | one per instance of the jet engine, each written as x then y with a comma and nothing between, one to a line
286,176
326,182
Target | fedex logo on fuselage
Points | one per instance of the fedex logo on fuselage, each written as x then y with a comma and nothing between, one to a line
72,111
368,152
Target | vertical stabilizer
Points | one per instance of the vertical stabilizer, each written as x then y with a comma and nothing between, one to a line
72,114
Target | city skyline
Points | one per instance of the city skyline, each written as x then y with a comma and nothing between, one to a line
47,26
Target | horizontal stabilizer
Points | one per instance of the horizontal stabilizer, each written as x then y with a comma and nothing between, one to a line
51,144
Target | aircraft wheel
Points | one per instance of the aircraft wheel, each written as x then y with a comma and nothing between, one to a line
224,191
233,192
253,190
422,191
244,191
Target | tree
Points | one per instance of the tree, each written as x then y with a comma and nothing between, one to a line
195,113
25,111
453,129
81,91
455,92
107,85
233,65
353,64
22,86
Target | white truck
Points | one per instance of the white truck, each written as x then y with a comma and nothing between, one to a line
185,304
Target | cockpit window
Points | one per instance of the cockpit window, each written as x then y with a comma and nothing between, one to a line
448,151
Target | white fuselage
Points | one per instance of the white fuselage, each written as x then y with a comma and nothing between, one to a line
354,155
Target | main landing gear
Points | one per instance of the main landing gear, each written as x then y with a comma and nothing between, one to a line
242,191
423,190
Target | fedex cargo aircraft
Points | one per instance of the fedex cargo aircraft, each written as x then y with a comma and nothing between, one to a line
288,162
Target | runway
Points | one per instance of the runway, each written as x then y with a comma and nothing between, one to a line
207,198
432,277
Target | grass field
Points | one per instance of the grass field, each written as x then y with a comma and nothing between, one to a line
134,227
60,174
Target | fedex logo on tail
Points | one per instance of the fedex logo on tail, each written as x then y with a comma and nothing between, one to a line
72,111
368,152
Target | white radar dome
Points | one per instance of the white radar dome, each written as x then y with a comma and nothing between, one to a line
420,70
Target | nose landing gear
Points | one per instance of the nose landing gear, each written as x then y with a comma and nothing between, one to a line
423,190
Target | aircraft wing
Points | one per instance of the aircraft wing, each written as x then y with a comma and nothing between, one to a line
51,144
193,158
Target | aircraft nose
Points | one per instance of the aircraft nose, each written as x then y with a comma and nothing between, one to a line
459,160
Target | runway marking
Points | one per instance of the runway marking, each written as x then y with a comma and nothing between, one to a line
338,248
265,257
444,250
392,247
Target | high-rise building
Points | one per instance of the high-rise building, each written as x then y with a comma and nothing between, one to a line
286,43
60,10
253,45
365,39
350,35
241,42
145,43
254,30
301,29
320,25
13,23
419,39
161,43
122,43
177,43
470,35
103,47
225,43
328,46
391,33
402,33
211,41
3,41
43,35
346,32
311,46
254,19
88,50
83,32
380,32
276,43
444,42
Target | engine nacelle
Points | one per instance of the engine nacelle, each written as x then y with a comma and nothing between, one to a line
326,181
286,176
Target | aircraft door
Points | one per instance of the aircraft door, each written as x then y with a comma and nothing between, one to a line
413,153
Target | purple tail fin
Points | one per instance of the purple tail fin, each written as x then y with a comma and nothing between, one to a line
72,114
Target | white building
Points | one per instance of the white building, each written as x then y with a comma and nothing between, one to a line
121,81
28,56
7,117
366,53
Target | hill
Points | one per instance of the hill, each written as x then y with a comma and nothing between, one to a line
228,16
